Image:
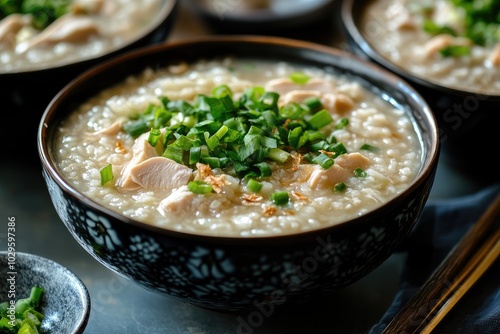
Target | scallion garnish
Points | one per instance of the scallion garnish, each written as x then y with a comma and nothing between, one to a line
342,123
360,172
280,198
246,134
368,147
455,51
299,78
254,186
106,174
340,187
200,187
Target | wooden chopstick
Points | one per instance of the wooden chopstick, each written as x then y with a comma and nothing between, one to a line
456,274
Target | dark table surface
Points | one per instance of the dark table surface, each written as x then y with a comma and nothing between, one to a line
119,306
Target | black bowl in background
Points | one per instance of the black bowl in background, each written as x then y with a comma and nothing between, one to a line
65,302
231,273
461,114
25,94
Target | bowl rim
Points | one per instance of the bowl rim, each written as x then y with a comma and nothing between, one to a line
166,11
427,169
261,16
347,17
84,295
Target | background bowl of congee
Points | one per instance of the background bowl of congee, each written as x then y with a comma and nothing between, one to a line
232,249
36,62
462,90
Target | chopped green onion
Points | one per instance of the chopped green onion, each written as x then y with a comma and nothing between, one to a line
26,317
154,136
280,198
264,168
455,51
340,187
278,155
320,119
313,103
368,147
200,187
359,172
254,186
342,123
323,160
106,174
299,78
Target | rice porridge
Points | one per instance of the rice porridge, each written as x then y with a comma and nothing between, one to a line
236,147
72,30
454,44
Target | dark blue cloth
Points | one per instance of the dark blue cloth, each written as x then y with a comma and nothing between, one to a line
442,224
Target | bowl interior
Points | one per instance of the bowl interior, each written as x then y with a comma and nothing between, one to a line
65,302
394,89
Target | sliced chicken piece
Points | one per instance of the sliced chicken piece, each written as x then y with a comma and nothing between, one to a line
439,42
112,130
286,85
327,178
299,174
141,151
281,86
184,202
494,57
351,161
160,174
298,96
178,202
68,28
339,103
10,26
87,6
341,171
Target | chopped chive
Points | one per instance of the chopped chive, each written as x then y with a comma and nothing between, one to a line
106,174
254,186
342,123
280,198
313,103
264,168
340,187
154,136
278,155
299,78
368,147
320,119
200,187
323,160
359,172
455,51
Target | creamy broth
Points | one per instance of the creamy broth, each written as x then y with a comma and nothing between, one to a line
395,29
90,29
359,181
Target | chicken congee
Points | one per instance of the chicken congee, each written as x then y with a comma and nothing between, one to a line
237,147
452,43
40,34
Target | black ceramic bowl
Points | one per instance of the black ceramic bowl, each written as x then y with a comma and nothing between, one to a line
460,113
33,88
26,93
65,302
233,273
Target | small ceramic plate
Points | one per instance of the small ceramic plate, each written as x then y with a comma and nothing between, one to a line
65,302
